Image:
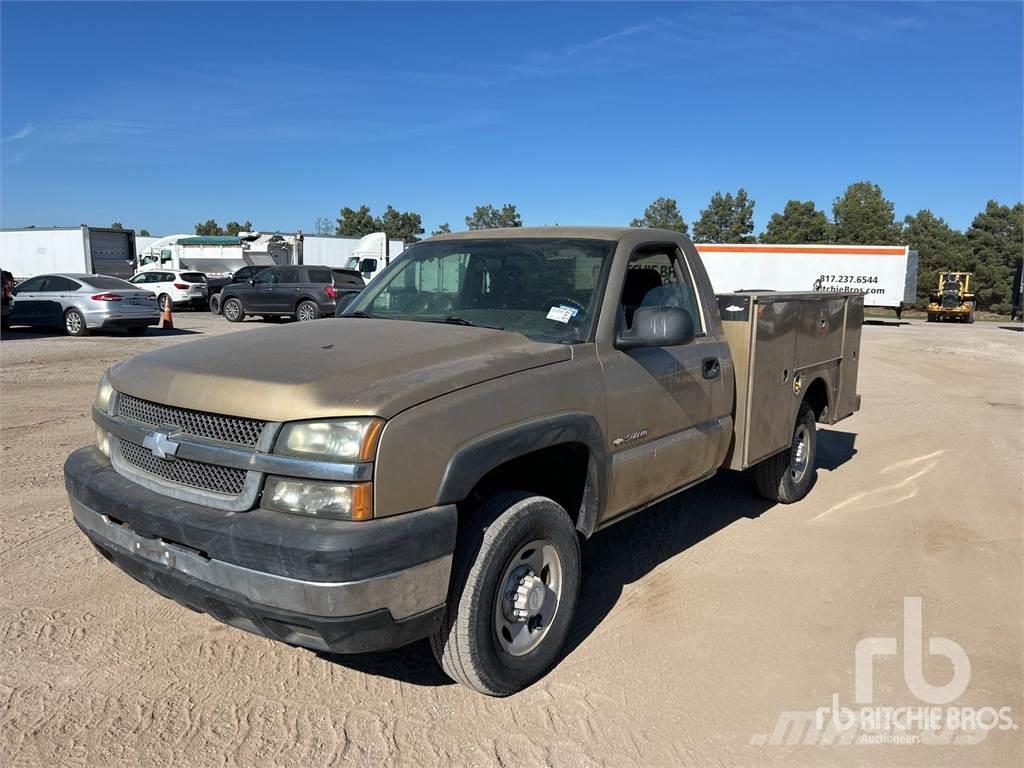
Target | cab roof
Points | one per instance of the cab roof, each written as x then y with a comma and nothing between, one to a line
590,233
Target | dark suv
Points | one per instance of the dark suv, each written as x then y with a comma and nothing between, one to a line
304,292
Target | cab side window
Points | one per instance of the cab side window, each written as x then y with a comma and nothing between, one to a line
657,276
289,275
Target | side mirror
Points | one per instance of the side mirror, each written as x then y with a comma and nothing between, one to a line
658,327
368,265
251,281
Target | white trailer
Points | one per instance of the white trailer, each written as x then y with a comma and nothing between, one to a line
92,250
349,252
886,273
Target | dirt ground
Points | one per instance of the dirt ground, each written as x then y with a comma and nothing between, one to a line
705,623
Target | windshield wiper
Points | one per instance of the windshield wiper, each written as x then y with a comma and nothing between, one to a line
455,320
357,313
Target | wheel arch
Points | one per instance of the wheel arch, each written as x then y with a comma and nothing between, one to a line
819,397
561,457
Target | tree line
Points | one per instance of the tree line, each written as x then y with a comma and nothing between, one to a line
408,225
992,247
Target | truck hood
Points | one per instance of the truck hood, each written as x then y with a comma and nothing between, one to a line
331,367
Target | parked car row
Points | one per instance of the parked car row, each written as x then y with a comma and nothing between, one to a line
80,302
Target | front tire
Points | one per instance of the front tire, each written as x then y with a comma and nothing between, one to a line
164,302
215,304
233,311
786,477
515,582
74,323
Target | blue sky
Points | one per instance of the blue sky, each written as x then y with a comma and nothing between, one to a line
160,115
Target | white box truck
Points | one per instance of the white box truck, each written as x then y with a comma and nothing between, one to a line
83,249
887,274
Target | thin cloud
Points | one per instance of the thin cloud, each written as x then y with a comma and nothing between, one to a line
22,134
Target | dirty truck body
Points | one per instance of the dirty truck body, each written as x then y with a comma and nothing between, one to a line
405,471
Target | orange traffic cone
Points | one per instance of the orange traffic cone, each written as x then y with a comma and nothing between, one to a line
166,319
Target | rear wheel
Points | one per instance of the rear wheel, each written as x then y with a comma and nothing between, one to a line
786,477
515,581
233,311
215,304
306,311
74,323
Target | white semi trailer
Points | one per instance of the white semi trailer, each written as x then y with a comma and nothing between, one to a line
92,250
887,274
368,254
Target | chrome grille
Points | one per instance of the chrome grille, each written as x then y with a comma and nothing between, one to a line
228,429
208,477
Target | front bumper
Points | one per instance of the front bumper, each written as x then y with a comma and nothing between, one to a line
328,585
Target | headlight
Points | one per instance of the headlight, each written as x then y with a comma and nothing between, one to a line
104,396
345,439
311,497
103,440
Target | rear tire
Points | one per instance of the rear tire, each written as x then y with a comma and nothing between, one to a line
74,323
215,304
514,585
306,311
234,311
786,477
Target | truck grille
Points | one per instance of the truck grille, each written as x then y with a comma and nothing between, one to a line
195,474
228,429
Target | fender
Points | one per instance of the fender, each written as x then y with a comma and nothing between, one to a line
474,460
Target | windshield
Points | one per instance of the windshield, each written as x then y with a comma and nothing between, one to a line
545,289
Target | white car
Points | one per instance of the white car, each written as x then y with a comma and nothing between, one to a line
178,286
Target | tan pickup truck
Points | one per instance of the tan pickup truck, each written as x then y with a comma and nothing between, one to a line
426,464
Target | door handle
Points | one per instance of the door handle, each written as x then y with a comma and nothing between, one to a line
711,367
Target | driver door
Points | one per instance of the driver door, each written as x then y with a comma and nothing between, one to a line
664,403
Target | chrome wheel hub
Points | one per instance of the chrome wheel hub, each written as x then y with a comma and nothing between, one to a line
799,454
527,601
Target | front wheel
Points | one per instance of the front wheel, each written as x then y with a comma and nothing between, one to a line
786,477
74,323
233,311
515,582
215,304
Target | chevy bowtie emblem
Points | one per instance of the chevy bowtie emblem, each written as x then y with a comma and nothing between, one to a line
160,445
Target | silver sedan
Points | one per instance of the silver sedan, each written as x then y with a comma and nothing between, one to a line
80,303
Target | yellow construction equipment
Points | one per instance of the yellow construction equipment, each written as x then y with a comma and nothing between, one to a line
954,298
